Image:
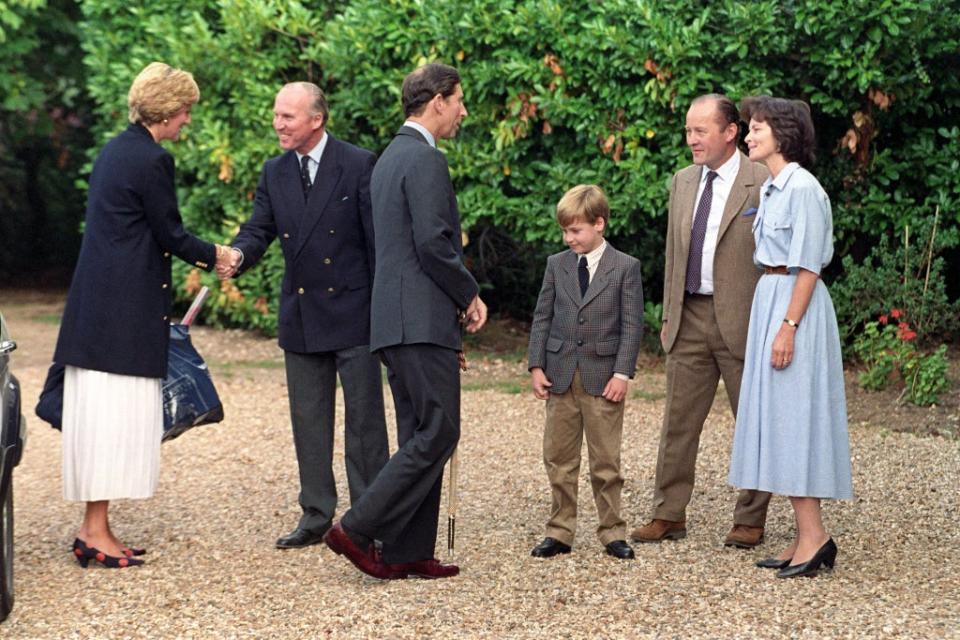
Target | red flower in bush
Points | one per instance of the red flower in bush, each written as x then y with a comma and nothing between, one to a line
883,319
905,333
895,313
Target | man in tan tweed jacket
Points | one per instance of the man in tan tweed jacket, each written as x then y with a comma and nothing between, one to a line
707,291
584,342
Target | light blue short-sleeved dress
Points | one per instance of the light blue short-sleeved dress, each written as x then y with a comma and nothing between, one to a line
791,433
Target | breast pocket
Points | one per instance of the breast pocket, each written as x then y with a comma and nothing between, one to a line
777,220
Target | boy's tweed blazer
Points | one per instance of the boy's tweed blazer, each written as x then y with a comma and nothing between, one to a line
599,334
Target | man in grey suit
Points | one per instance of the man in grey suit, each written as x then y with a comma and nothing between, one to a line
421,294
315,199
707,292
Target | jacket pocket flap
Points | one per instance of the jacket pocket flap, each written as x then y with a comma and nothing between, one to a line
608,348
554,344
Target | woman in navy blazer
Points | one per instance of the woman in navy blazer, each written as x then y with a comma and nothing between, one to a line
114,335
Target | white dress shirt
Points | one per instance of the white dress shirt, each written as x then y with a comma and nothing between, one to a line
314,154
593,259
726,174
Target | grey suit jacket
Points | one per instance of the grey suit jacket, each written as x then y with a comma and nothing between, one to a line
734,274
420,284
598,333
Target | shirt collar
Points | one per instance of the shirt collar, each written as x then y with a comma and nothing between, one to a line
317,152
727,171
423,130
784,176
594,256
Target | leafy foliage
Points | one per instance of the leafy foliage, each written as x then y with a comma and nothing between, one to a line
559,92
887,348
43,115
906,275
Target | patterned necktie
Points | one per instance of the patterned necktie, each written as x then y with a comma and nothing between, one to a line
695,259
583,275
305,175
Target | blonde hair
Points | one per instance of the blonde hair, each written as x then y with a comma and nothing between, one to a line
584,202
160,91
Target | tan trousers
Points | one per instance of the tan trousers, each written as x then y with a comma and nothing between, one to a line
570,415
694,366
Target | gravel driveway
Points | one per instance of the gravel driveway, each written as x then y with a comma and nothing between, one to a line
227,491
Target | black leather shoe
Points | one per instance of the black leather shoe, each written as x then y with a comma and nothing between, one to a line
825,556
773,563
620,549
301,538
549,548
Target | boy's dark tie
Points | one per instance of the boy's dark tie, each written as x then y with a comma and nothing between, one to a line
583,275
305,175
695,258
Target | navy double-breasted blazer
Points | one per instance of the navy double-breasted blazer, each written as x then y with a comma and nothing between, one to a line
117,313
327,243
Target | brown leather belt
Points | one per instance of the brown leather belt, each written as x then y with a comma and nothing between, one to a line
780,271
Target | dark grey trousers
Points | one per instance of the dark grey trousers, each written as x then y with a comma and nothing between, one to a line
402,505
312,387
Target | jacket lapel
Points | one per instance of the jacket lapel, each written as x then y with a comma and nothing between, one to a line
687,200
739,192
601,277
328,176
289,191
570,284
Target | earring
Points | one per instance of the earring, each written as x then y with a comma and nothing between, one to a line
165,121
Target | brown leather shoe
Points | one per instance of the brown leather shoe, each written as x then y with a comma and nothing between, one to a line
744,536
657,530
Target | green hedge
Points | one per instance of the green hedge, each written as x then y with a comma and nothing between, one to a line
559,92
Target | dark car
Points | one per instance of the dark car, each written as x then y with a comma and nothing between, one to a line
11,450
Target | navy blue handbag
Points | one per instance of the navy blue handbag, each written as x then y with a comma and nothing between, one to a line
189,397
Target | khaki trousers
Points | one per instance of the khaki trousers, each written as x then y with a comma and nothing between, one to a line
570,416
694,366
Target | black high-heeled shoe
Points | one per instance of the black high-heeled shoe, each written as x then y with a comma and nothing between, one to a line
825,556
130,552
84,554
773,563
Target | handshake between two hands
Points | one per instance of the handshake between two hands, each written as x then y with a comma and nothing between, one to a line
230,258
228,261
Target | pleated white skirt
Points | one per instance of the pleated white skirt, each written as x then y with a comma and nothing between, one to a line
112,427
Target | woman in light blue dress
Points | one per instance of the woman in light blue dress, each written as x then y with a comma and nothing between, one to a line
791,433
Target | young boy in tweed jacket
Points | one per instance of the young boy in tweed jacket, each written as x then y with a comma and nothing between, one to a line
583,350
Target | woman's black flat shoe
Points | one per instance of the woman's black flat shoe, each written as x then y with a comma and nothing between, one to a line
773,563
825,556
84,554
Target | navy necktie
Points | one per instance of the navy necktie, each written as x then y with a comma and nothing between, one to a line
699,232
305,175
583,275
